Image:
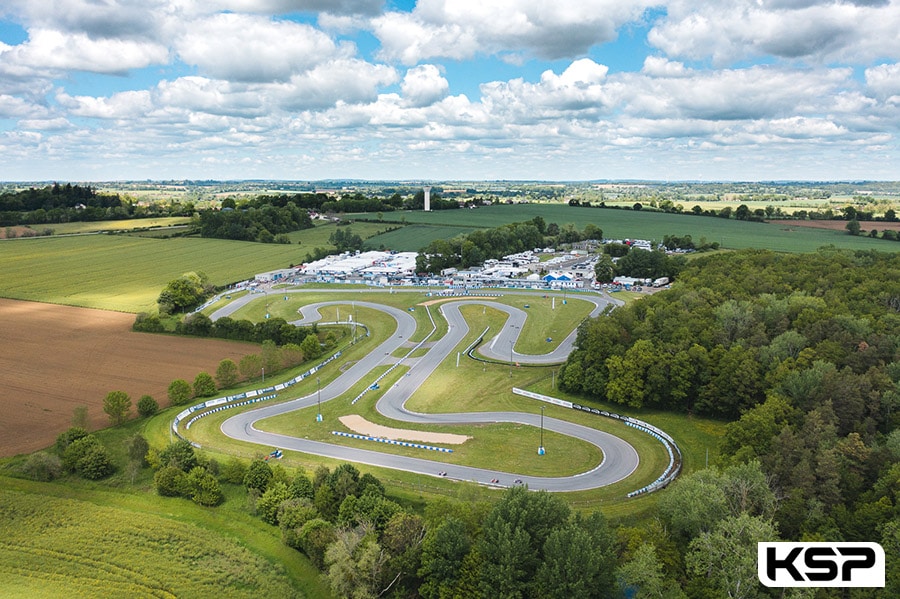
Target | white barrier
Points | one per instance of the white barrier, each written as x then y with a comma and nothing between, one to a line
671,470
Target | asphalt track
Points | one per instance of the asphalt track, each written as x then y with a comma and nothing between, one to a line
619,458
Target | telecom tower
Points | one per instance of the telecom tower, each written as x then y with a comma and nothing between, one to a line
427,199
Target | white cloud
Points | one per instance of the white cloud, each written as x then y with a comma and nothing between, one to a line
884,80
124,105
48,49
253,49
731,30
463,28
424,85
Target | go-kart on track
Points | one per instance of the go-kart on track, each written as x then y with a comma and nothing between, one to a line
619,458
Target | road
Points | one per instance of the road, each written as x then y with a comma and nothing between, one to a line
619,458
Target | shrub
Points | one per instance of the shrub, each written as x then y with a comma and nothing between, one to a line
179,454
64,439
77,450
202,487
147,406
138,449
179,392
42,466
169,481
204,385
258,476
95,463
227,373
234,472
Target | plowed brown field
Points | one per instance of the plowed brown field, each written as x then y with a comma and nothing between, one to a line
838,225
56,358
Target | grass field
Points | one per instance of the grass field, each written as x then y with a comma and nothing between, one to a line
620,224
123,273
61,541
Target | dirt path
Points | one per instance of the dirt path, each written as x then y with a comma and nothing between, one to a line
361,426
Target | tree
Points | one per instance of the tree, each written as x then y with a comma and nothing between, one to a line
259,473
67,437
250,366
95,463
169,481
137,449
179,392
604,269
227,373
202,487
234,471
310,347
204,385
314,537
853,227
725,558
117,405
269,502
642,576
179,454
147,406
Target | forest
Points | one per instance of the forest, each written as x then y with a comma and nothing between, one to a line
800,354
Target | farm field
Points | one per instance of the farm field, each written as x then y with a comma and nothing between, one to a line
620,224
56,358
124,273
838,225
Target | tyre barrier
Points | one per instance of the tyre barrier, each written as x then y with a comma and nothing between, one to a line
391,441
220,401
674,466
228,407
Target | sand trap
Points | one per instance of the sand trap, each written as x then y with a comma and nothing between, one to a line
361,426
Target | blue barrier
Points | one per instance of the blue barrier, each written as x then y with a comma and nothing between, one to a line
391,441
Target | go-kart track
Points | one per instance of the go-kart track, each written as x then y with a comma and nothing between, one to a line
619,458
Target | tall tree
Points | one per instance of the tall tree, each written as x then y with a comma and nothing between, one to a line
117,405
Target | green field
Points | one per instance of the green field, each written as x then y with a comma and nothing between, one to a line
59,541
123,273
620,224
412,238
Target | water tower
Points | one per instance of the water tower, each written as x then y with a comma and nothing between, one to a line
427,199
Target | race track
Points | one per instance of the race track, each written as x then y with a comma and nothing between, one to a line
619,458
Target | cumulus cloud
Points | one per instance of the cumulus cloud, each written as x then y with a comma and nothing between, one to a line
731,30
463,28
252,48
424,85
48,49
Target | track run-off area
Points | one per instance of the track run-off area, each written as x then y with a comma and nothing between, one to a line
619,458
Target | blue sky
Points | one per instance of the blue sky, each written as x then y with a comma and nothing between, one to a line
96,90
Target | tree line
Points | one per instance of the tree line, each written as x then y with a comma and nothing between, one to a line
75,203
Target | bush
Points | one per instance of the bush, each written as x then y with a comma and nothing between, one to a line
147,406
42,466
179,454
204,385
258,476
227,373
234,472
95,463
202,487
179,392
169,481
64,439
77,450
138,449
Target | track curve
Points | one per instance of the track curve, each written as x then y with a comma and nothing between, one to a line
619,458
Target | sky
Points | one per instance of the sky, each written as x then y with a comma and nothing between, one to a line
569,90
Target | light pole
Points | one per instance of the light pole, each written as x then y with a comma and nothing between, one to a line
318,400
541,446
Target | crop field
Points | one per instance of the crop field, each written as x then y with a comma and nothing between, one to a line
412,238
123,273
57,358
59,547
620,224
318,235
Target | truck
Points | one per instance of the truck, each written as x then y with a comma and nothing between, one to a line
661,282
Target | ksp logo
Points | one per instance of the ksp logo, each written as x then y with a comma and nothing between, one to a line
820,564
